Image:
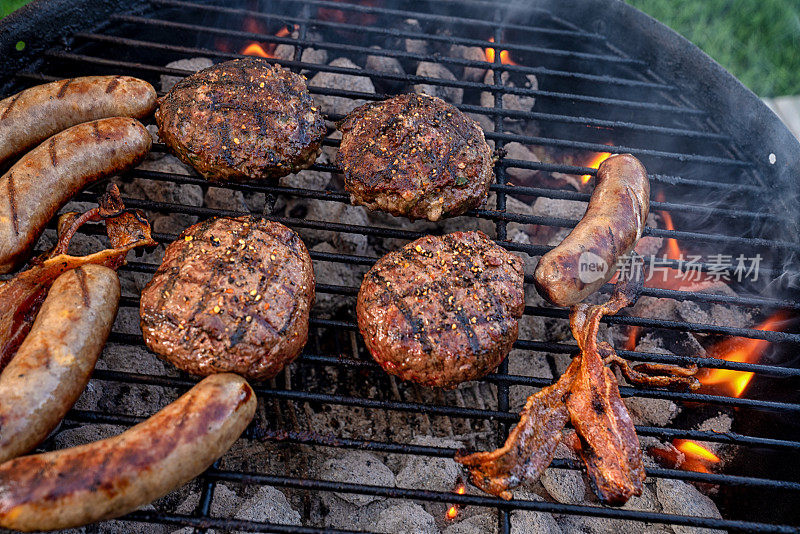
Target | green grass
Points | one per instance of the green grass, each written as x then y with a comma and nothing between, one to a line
758,41
7,6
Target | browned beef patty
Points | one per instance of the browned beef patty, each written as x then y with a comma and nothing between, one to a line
414,155
242,119
442,310
232,295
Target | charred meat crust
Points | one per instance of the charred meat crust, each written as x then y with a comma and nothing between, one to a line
33,115
443,309
232,295
54,362
111,477
45,178
416,156
613,223
242,119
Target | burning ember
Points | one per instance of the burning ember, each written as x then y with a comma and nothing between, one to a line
695,456
505,57
594,164
734,383
452,512
266,50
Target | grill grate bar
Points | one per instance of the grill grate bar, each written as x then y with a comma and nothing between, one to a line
570,54
562,194
411,78
534,250
510,113
313,438
443,410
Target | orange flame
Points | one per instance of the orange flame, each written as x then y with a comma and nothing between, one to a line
255,49
633,335
452,512
738,350
595,164
505,57
266,50
673,250
696,450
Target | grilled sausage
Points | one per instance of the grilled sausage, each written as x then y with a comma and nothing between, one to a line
53,364
44,179
613,223
111,477
31,116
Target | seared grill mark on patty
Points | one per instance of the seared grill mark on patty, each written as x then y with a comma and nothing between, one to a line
416,156
242,119
232,294
462,291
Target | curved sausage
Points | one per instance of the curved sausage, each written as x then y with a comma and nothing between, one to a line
31,116
53,364
44,179
111,477
613,223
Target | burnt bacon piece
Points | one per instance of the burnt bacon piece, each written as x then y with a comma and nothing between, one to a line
232,295
530,447
22,296
442,309
242,119
609,445
415,156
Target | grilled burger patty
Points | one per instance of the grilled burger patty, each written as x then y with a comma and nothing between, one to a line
442,310
232,295
242,119
414,155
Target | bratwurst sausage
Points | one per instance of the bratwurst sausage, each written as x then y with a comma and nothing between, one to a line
53,364
44,179
31,116
111,477
613,223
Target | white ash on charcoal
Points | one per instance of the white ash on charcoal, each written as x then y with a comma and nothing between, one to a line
405,518
190,65
329,305
516,102
645,411
314,56
310,179
164,191
115,527
225,199
470,53
339,105
454,95
357,467
566,486
434,474
324,210
268,504
648,245
486,122
476,524
131,399
414,46
387,65
555,207
678,497
517,175
530,522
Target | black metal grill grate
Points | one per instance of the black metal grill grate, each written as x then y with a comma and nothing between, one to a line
589,94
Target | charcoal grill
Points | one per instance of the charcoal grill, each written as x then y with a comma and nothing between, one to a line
607,73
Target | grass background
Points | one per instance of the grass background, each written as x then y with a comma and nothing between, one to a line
756,40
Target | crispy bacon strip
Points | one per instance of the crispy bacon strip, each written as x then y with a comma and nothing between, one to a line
609,445
530,446
22,296
653,374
